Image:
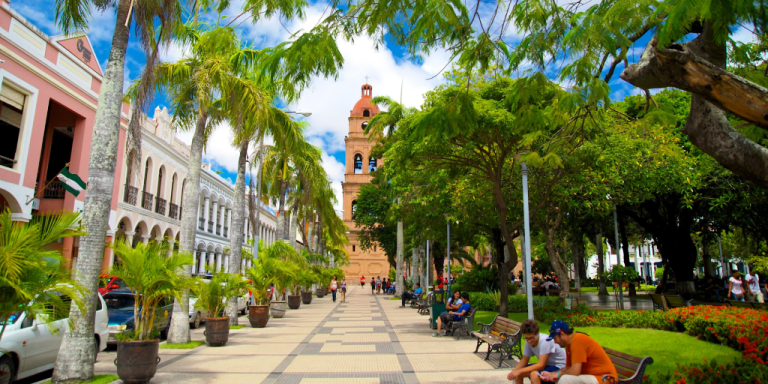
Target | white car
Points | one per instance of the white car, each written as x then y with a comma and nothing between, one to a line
198,315
30,347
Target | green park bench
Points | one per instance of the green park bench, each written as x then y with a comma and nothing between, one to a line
502,335
465,325
631,369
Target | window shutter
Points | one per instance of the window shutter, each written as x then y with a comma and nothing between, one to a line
12,97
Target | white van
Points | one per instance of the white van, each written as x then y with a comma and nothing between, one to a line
29,347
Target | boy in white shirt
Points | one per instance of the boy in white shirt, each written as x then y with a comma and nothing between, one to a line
551,356
753,282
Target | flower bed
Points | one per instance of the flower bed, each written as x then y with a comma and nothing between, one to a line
738,372
742,329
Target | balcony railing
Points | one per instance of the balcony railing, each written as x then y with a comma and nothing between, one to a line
173,211
130,195
54,190
210,226
146,200
160,205
226,231
218,229
201,226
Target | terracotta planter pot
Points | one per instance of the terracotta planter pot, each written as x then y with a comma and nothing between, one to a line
258,315
294,302
216,331
277,309
320,292
306,297
137,361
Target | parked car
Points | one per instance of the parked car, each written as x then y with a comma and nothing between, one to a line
30,346
120,303
110,283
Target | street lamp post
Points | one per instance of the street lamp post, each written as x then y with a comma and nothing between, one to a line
616,231
448,256
527,240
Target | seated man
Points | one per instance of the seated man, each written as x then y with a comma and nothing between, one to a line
410,296
586,362
451,316
551,356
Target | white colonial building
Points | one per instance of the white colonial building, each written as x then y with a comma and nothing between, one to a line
152,197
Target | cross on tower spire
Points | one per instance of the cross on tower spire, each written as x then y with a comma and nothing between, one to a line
366,79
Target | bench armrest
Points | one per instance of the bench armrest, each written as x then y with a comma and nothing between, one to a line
485,328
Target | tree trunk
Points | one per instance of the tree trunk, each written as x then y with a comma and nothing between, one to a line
625,245
602,291
576,265
400,286
561,270
709,268
292,224
179,328
281,212
257,224
503,270
699,68
236,232
76,363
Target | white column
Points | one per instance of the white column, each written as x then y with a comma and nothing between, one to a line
219,256
194,261
229,222
226,263
222,219
202,263
129,237
145,239
212,259
206,214
215,218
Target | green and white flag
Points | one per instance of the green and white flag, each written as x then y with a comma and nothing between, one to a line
71,182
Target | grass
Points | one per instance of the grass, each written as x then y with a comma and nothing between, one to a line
191,345
643,288
666,348
97,379
395,298
237,326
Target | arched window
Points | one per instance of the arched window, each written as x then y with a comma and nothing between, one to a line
366,113
160,183
371,164
147,180
365,124
358,163
354,209
173,189
129,175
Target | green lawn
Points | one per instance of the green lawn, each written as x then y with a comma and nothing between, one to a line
666,348
239,326
643,288
97,379
191,345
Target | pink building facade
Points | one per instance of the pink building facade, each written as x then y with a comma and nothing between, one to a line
49,90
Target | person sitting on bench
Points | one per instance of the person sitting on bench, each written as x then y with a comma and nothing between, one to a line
551,356
586,361
451,316
454,302
410,296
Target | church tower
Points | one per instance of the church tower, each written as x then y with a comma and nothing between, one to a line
359,165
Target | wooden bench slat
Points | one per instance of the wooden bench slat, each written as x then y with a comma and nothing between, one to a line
623,355
619,362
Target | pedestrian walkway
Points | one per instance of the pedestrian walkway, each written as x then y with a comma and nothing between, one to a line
368,339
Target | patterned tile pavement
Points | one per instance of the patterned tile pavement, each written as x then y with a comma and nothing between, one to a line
367,339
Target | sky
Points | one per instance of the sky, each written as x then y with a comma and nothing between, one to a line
387,69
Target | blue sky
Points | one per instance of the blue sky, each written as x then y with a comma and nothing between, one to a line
329,100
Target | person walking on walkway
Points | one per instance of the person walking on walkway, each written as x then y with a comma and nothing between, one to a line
362,281
753,283
551,357
334,285
343,288
586,361
736,286
373,285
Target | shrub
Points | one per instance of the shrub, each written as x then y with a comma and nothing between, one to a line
740,371
517,303
479,279
582,316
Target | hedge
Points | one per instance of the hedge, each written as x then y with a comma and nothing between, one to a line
517,303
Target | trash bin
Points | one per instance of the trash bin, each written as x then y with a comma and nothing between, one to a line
438,307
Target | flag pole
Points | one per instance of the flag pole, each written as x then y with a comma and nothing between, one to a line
46,185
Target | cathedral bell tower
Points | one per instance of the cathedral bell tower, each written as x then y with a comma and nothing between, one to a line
359,165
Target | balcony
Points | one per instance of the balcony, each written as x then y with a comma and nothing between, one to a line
201,226
146,200
130,195
218,229
160,205
54,190
226,231
173,211
210,226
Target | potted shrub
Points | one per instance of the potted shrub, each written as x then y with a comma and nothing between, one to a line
323,280
212,297
262,275
152,276
306,279
294,299
283,276
32,278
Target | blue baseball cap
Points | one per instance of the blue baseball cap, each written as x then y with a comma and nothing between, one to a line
557,327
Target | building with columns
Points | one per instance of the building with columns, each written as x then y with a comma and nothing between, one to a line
49,92
359,165
152,197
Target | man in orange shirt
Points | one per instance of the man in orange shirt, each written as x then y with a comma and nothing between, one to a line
586,361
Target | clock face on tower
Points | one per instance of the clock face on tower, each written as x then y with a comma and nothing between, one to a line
359,165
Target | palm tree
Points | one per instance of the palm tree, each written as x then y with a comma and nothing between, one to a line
195,83
31,274
74,15
387,121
